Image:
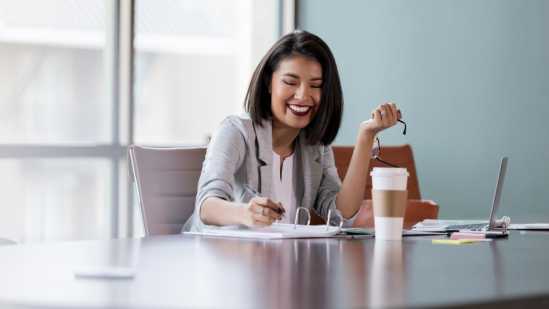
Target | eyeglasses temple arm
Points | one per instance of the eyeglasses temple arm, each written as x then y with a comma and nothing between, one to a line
404,123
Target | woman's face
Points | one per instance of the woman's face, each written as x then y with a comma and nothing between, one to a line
295,88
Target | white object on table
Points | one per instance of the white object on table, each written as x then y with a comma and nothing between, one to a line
105,272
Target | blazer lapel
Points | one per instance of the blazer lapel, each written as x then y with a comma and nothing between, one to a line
264,156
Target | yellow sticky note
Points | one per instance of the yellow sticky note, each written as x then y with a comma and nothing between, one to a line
452,241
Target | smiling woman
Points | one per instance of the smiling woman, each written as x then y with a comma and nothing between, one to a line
281,148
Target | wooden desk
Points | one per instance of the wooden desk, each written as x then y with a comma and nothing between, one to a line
187,271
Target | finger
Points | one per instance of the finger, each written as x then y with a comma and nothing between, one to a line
394,111
255,208
259,223
376,115
283,210
263,211
267,212
267,202
259,200
386,113
262,219
264,201
390,112
392,117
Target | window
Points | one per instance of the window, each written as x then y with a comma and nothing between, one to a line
193,63
62,145
53,108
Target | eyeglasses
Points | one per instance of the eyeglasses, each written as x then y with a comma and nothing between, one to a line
376,152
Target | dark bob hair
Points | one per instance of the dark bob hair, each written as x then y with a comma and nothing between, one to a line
325,124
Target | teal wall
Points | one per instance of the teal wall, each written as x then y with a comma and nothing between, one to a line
472,79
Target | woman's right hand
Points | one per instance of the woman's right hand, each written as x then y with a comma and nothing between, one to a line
261,211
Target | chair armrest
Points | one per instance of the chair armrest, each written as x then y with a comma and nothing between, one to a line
419,210
416,211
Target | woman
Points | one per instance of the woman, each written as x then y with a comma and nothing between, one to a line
261,166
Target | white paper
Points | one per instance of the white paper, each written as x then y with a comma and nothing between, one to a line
433,225
529,226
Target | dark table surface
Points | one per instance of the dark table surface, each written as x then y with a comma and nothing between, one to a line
191,271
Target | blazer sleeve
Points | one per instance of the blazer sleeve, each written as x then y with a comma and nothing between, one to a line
330,184
225,155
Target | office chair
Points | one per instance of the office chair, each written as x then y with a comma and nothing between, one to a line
166,181
402,156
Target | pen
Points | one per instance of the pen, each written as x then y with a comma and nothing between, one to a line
251,190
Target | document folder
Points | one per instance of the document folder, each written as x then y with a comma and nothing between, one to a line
275,231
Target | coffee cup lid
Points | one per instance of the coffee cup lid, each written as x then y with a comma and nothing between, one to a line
389,171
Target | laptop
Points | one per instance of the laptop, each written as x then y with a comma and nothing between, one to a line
491,228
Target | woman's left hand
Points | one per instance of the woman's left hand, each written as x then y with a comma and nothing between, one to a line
384,116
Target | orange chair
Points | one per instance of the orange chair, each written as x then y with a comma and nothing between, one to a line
416,210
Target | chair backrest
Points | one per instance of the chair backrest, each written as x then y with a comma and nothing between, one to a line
166,180
398,155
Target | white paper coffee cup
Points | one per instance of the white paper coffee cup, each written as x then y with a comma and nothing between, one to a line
389,196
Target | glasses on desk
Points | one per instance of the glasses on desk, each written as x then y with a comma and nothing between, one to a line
376,152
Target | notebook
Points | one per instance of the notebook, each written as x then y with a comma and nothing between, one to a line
492,226
274,231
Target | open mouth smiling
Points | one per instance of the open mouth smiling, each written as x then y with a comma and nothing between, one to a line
299,110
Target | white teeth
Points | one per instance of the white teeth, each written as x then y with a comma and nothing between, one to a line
299,109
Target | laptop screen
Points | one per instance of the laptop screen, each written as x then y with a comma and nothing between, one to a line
497,192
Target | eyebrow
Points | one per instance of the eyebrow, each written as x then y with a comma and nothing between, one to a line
297,77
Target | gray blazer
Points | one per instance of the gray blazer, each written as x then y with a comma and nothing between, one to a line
241,153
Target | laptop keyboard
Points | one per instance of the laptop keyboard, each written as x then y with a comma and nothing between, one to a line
472,227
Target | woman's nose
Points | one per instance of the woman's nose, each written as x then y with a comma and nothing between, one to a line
302,92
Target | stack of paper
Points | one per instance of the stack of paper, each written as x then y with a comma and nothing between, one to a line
433,225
